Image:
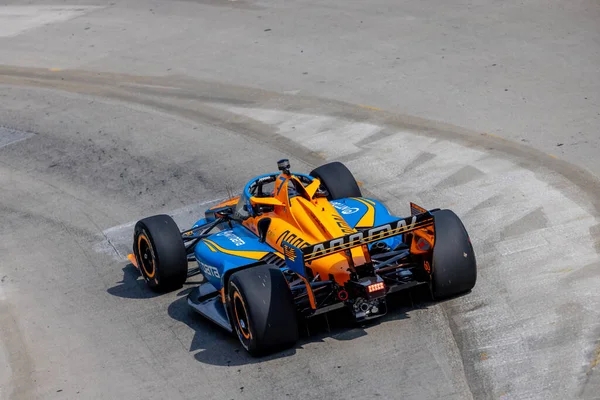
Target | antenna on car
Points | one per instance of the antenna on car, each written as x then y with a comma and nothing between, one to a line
284,165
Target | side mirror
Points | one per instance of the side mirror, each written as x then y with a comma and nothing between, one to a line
263,228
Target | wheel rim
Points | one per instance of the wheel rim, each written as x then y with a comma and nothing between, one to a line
146,256
241,315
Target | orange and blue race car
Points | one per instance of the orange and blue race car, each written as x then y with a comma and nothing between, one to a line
294,246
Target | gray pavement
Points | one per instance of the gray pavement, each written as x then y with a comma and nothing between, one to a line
98,142
527,71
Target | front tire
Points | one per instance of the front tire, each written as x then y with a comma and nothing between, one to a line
338,180
454,269
262,310
160,253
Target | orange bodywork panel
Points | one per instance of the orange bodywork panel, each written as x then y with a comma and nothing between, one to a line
423,240
304,220
226,203
132,260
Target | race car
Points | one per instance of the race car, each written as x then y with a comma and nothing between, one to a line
294,246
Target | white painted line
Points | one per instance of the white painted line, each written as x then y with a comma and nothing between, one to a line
119,228
176,212
118,239
11,136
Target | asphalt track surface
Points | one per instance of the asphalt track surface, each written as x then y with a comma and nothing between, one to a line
129,109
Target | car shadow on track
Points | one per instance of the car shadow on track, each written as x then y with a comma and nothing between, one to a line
215,346
339,325
212,344
131,287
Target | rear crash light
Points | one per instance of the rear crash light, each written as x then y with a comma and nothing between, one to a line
375,287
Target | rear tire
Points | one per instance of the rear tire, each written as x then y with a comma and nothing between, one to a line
160,253
262,310
454,269
338,180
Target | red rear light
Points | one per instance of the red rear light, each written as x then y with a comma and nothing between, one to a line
423,244
375,287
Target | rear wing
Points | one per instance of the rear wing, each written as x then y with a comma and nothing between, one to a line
296,258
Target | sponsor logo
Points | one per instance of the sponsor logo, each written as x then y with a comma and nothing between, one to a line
341,222
289,252
366,236
208,270
238,241
344,209
292,239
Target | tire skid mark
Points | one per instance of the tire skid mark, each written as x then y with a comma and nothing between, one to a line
463,176
534,220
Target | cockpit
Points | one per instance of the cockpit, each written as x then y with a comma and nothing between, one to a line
270,185
265,186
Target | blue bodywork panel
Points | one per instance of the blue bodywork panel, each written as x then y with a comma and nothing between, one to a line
293,257
229,249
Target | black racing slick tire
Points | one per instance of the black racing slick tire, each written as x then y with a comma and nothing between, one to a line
338,180
160,253
262,310
454,267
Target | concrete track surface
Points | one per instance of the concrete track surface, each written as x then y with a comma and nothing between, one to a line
113,112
